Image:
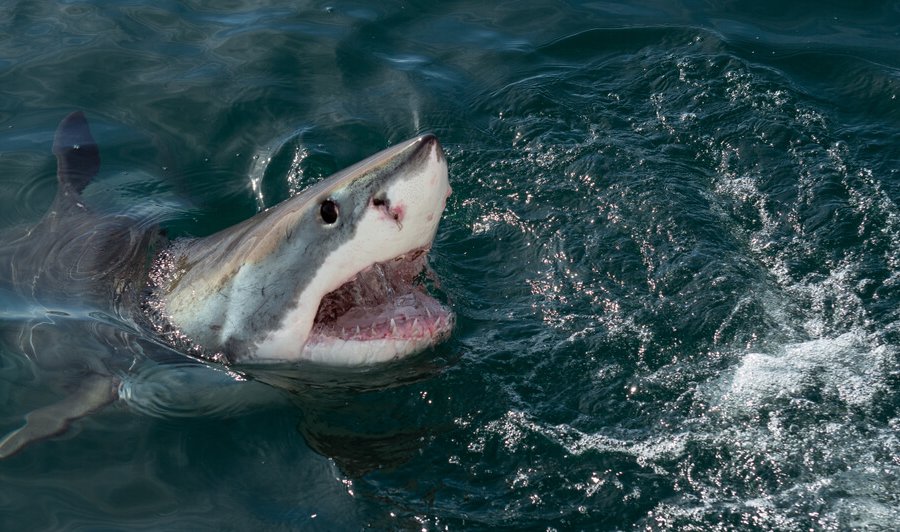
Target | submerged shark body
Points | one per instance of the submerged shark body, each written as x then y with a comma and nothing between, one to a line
329,276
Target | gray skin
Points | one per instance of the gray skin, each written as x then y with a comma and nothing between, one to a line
77,264
73,259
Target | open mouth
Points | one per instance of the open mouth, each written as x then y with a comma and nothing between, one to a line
386,301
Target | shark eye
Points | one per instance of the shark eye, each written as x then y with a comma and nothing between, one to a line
329,212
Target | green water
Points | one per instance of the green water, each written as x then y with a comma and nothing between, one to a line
673,247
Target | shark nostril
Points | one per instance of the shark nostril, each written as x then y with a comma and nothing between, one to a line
381,201
394,211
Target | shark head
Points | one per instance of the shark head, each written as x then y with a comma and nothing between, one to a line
330,275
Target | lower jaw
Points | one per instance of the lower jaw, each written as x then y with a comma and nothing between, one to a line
361,351
391,316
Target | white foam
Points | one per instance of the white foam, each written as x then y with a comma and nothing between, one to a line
849,367
515,426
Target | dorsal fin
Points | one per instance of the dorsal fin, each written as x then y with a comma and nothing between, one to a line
77,155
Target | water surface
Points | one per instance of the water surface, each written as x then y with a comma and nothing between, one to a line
673,247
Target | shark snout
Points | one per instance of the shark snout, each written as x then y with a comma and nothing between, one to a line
415,198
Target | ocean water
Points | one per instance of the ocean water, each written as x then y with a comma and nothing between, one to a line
673,247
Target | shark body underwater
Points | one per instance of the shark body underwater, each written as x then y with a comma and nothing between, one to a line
329,276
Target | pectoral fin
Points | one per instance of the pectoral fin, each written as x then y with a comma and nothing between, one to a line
94,392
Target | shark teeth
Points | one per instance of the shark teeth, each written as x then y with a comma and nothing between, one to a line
416,324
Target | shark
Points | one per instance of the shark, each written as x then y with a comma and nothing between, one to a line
332,276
